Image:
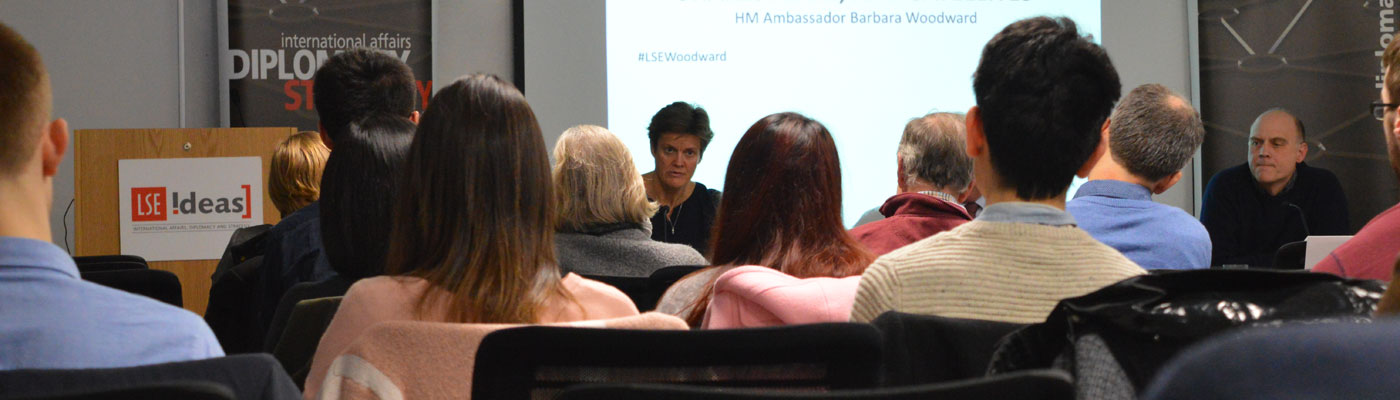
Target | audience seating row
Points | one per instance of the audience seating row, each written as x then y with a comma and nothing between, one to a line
131,274
1111,343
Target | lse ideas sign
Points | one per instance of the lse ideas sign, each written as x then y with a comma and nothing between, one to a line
187,208
149,204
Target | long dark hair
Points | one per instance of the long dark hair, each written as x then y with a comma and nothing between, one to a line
473,215
357,194
782,205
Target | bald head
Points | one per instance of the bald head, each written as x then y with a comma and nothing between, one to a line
24,100
1279,119
1277,144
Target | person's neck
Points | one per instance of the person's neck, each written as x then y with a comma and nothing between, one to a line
1009,195
1108,170
669,197
1273,189
23,212
924,187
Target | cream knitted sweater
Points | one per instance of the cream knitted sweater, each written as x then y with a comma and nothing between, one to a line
999,271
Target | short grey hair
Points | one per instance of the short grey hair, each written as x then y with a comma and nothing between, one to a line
1154,132
933,150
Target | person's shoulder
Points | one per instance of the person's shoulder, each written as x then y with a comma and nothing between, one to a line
118,308
1318,176
593,294
676,253
383,283
311,212
1229,178
709,194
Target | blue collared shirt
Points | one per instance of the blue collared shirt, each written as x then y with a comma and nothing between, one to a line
50,318
1025,213
1123,216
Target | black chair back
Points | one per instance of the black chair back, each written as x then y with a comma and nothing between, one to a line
1029,385
114,262
247,376
923,349
1291,255
153,283
192,390
308,321
539,361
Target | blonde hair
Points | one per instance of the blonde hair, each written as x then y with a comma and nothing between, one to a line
596,182
295,178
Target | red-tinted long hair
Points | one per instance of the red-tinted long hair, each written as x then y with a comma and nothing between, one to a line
782,205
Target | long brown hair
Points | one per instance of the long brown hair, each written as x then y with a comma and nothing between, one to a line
473,214
782,205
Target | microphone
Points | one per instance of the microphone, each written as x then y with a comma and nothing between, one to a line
1301,217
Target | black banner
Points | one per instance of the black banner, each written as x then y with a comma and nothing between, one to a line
1318,59
275,47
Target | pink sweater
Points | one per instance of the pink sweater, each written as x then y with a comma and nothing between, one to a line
393,298
756,296
428,360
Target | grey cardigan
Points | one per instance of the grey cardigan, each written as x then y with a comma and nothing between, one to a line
620,250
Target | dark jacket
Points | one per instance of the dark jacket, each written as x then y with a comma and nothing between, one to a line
1247,225
692,220
293,255
1115,339
909,217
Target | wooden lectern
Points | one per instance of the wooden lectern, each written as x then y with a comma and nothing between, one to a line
96,221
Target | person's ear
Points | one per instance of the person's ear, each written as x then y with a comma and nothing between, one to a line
976,137
970,193
899,174
1302,151
414,117
1098,154
325,139
1166,183
1394,131
54,146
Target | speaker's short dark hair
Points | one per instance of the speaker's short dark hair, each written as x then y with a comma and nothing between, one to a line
1043,92
359,83
1154,132
21,80
681,117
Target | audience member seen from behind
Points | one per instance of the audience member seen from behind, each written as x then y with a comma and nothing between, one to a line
1043,93
349,86
1151,135
49,317
1274,199
473,229
934,175
679,134
295,180
356,205
604,223
1369,254
787,222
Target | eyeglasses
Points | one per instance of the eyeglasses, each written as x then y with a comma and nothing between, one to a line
1378,109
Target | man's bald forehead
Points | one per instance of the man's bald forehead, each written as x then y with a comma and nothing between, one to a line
1297,124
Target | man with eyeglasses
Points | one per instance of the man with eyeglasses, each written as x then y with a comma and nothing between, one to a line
1371,254
1273,199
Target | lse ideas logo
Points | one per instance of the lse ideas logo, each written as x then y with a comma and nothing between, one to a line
149,204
